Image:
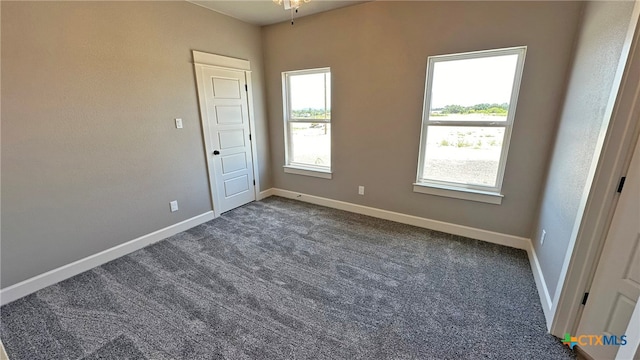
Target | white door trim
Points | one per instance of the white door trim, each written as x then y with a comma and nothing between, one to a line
202,58
205,60
614,289
618,136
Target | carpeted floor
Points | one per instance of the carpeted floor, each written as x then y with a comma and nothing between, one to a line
281,279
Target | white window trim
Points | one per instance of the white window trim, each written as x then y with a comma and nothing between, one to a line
456,193
292,167
308,171
471,192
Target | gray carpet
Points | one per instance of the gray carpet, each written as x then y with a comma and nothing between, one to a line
281,279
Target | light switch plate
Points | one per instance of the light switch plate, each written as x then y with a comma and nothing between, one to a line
174,205
178,123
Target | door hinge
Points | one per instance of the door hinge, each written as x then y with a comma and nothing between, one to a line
621,183
249,137
584,298
254,183
246,87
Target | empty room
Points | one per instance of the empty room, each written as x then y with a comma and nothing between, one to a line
317,179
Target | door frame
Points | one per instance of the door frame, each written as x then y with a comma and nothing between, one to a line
594,318
202,60
617,140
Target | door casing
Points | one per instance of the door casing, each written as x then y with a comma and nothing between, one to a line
616,286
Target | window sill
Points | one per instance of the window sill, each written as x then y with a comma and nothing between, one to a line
324,174
459,193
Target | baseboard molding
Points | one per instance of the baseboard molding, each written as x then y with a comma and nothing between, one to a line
265,194
543,291
3,353
41,281
461,230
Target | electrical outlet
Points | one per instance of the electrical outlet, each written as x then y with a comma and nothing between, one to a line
174,205
544,234
360,190
178,123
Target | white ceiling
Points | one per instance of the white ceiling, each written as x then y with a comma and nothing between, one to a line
266,12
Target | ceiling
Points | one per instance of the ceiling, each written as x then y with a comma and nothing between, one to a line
266,12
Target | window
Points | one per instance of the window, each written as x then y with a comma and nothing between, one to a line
307,122
469,106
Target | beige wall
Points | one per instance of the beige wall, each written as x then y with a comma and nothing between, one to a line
600,42
90,153
377,53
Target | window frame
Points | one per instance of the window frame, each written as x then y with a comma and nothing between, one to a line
474,192
291,166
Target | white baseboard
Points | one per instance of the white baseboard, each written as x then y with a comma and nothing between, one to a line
543,291
265,194
41,281
461,230
3,353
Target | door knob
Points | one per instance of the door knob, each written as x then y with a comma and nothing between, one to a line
216,152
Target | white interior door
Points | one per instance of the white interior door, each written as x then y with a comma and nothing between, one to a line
226,114
616,285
